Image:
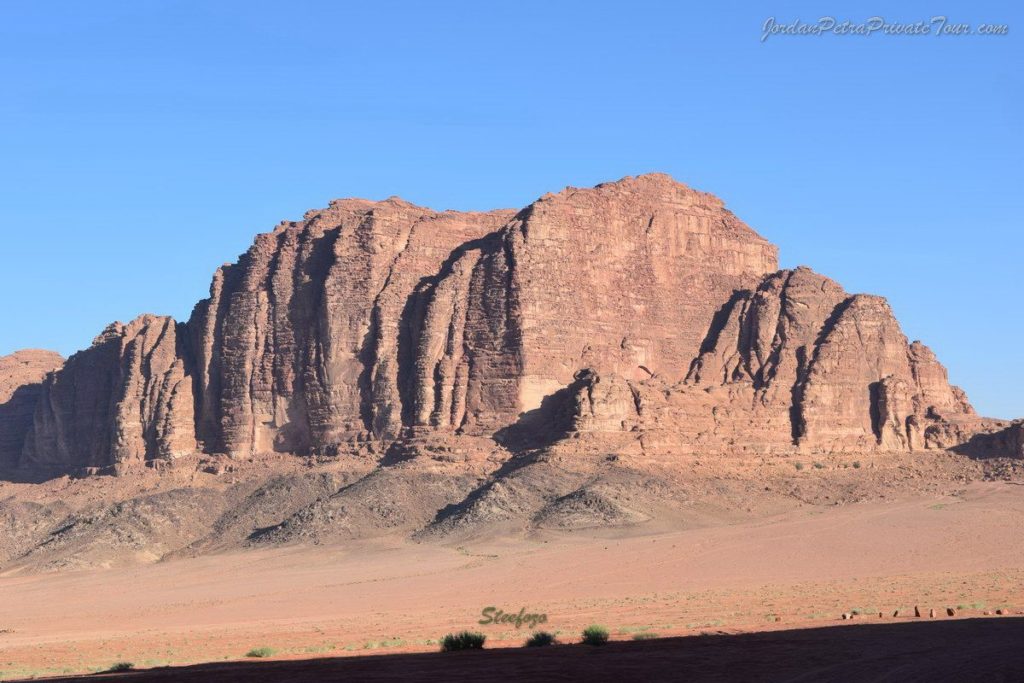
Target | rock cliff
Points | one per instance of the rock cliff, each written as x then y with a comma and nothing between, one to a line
21,378
640,307
126,399
622,278
795,364
306,343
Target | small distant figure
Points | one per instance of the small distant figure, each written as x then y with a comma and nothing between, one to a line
917,611
950,612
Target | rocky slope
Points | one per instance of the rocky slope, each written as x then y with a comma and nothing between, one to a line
639,306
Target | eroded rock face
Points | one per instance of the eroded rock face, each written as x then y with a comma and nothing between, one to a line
640,306
124,400
757,356
367,318
621,278
864,360
976,436
306,342
21,377
798,364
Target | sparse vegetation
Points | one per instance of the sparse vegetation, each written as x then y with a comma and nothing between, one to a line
856,464
798,465
464,640
314,649
706,624
541,639
260,652
819,466
375,644
595,635
645,635
121,666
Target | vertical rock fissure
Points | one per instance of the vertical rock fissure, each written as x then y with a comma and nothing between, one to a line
797,415
369,352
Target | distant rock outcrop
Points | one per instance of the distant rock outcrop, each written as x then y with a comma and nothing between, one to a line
124,400
640,306
1005,442
21,378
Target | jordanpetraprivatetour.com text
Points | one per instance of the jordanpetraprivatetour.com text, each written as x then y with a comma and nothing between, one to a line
938,26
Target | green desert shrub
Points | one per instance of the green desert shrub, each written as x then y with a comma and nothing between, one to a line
645,635
122,666
595,635
260,652
464,640
541,639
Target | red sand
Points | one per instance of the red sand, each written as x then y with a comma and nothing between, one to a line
800,569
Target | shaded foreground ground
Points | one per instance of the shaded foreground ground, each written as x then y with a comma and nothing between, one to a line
797,570
957,650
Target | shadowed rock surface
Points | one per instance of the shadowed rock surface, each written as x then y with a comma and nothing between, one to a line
126,399
21,378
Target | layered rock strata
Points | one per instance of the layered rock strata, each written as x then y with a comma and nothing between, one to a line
308,342
622,278
793,364
637,306
126,399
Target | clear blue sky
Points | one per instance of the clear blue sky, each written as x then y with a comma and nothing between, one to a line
144,143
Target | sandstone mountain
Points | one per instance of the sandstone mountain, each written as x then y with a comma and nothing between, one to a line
375,321
458,367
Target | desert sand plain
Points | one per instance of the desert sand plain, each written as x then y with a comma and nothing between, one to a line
958,546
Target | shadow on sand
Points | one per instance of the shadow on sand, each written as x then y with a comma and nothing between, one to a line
990,650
